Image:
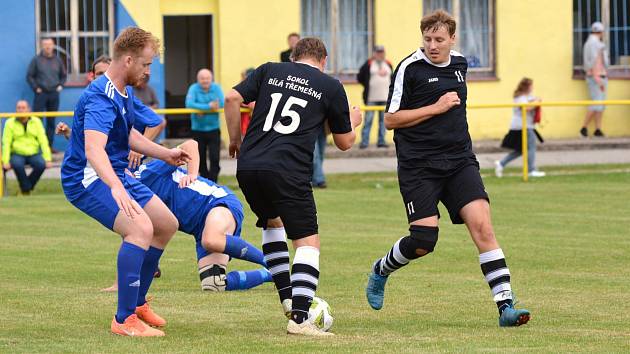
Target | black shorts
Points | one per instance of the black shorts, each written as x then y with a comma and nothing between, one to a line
271,194
453,182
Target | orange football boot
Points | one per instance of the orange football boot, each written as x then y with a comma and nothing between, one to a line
146,314
134,327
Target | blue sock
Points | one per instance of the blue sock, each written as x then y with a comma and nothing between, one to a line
246,280
149,266
130,258
236,247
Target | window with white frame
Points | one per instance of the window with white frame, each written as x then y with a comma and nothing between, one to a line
615,15
82,29
345,26
475,31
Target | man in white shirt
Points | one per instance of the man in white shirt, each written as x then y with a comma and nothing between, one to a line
595,63
375,76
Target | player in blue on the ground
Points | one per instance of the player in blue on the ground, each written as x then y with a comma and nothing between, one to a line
163,181
94,180
212,214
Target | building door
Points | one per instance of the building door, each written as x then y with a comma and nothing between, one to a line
187,48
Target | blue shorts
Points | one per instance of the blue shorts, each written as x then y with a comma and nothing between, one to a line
96,200
236,208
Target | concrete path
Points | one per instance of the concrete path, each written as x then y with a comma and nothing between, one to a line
486,160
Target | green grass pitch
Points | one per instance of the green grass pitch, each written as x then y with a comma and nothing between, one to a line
565,237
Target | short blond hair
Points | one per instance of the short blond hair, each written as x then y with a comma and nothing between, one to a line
437,19
309,47
132,40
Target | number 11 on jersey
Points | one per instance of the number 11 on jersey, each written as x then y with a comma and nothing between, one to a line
286,112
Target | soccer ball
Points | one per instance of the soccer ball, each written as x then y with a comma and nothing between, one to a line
320,314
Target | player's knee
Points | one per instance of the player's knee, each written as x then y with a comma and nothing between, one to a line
140,234
421,241
275,223
164,229
146,229
482,231
212,243
172,225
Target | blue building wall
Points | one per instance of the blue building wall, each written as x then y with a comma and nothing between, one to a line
17,48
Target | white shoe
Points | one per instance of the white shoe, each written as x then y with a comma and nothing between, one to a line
287,306
536,173
306,328
498,169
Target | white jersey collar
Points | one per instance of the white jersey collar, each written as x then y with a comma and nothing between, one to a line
301,62
110,80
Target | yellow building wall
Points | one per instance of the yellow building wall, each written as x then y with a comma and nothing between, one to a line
253,33
399,34
147,16
533,39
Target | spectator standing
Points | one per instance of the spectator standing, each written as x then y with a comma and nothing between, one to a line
246,117
595,62
46,76
206,94
292,40
146,94
375,76
319,179
24,142
513,140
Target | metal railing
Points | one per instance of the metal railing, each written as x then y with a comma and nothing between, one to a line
522,106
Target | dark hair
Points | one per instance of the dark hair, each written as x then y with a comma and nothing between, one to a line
132,40
437,19
523,86
309,47
101,59
293,34
46,38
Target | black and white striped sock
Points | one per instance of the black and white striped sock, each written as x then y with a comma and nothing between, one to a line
393,260
304,279
274,246
497,275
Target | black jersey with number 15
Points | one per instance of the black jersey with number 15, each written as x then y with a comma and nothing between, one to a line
292,102
417,82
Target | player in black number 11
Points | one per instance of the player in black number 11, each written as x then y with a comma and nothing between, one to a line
427,110
293,101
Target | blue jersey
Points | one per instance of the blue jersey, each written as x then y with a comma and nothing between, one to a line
101,108
192,204
145,117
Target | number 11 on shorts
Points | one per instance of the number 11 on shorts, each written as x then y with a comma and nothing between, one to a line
410,209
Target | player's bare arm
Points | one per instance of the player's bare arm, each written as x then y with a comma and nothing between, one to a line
232,109
190,147
345,141
405,118
135,158
95,142
141,144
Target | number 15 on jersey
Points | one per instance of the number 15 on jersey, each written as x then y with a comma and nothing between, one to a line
286,112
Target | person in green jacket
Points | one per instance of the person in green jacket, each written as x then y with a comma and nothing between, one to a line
24,142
